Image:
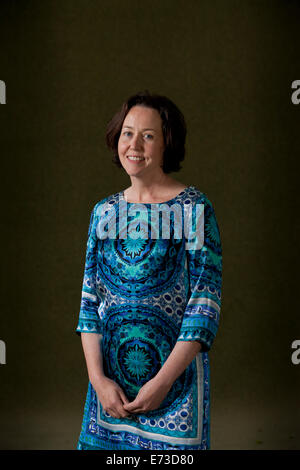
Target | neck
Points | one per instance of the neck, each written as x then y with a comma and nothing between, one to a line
142,188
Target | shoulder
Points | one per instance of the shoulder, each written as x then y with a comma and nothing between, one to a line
104,203
195,196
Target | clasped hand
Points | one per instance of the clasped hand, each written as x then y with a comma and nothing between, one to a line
115,402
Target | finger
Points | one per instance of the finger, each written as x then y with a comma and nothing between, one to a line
114,412
129,407
138,410
123,397
117,411
119,414
134,409
123,413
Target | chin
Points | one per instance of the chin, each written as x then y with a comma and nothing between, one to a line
133,171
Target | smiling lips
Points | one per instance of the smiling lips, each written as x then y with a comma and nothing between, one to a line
133,158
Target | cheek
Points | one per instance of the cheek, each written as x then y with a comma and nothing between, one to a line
159,150
121,147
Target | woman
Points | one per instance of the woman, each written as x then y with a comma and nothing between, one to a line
150,306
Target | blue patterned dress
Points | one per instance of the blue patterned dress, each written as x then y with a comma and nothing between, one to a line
143,294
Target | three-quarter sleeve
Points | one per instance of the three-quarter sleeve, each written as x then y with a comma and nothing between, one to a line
201,317
89,320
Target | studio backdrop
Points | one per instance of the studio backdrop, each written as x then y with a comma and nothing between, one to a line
232,68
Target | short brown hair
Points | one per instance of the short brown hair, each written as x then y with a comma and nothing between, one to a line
173,127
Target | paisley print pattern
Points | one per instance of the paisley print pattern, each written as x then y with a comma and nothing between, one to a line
142,293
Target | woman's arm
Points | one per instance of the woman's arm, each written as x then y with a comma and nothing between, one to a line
181,356
91,344
154,391
109,392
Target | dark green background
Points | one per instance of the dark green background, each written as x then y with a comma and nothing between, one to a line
228,65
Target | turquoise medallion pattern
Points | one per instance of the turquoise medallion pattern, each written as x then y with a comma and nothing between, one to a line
142,294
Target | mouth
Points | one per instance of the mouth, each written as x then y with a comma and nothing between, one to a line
135,159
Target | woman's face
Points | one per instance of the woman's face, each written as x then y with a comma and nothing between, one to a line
141,136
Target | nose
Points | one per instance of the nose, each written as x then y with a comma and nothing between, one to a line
136,142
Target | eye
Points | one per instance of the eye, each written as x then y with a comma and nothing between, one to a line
150,136
126,132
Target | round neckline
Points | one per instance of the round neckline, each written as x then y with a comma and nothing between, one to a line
183,191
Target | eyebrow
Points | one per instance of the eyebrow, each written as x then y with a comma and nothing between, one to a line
145,129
